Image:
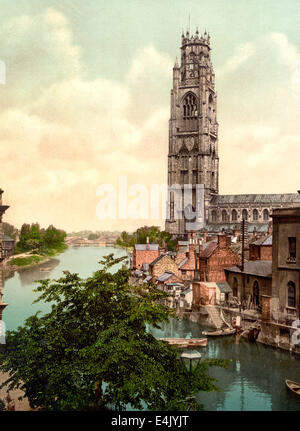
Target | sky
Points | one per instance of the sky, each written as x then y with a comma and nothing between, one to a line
87,93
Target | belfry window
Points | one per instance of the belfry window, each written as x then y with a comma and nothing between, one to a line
190,110
234,215
255,214
213,216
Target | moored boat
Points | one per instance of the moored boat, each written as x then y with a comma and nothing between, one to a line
219,332
293,387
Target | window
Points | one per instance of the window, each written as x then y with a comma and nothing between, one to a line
224,216
234,215
266,215
235,287
213,216
184,177
244,215
195,177
292,249
291,294
255,214
190,106
256,298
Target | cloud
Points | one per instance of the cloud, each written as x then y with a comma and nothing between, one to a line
62,135
258,113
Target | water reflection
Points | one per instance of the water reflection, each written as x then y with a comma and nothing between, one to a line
41,272
254,380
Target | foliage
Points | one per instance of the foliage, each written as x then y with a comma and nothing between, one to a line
9,230
24,261
93,351
42,241
2,405
93,236
154,234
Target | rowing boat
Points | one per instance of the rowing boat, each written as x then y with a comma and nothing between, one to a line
218,333
293,386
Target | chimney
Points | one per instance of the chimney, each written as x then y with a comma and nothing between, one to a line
254,232
147,243
269,229
205,236
222,241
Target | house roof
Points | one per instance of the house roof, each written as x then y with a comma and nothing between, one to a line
165,276
147,279
261,268
143,247
182,250
224,287
208,248
6,238
263,241
229,227
256,199
182,262
158,258
183,243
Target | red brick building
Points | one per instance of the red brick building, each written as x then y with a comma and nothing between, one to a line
213,258
144,254
261,249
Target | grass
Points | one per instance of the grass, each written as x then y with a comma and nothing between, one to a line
24,261
36,258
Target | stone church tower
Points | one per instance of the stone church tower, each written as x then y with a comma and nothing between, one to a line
193,130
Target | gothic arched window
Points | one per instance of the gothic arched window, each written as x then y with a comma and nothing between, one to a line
224,215
291,294
234,215
266,215
213,216
190,106
255,214
190,112
245,215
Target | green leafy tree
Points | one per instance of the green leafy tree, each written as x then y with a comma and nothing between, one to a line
93,351
154,234
9,230
93,236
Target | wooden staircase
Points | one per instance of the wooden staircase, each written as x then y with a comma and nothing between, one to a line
214,314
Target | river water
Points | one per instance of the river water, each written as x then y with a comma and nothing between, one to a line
254,379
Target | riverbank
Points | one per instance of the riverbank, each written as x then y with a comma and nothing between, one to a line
24,261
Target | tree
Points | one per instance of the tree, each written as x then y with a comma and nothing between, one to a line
9,230
92,351
93,236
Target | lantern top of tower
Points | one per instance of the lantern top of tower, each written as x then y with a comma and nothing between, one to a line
187,39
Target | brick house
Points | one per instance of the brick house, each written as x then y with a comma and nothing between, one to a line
214,257
261,249
144,254
163,263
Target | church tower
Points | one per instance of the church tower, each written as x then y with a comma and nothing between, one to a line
193,129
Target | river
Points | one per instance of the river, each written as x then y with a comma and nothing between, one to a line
254,379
